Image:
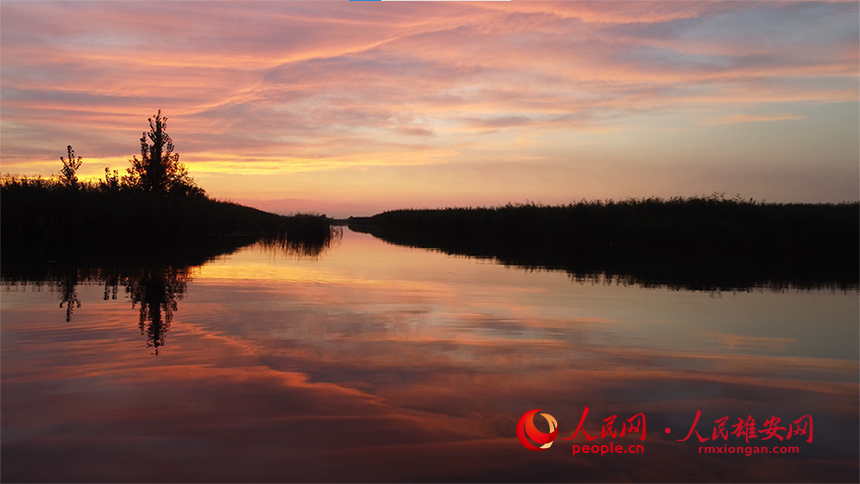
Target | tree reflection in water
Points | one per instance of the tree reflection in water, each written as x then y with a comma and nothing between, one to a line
68,288
153,282
155,291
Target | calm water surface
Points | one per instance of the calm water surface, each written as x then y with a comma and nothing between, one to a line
375,362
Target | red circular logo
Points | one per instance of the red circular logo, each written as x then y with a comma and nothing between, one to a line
528,433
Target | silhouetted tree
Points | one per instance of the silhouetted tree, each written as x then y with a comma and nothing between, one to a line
159,169
68,176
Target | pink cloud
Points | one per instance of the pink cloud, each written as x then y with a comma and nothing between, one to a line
337,83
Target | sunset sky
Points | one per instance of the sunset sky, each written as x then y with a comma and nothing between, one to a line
352,108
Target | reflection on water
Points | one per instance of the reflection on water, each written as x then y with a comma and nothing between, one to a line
681,251
156,292
68,287
154,288
371,362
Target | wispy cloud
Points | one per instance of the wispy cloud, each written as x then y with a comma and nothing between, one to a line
277,82
751,118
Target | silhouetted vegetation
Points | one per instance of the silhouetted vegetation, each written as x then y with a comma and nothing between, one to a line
156,208
68,174
709,243
38,213
159,169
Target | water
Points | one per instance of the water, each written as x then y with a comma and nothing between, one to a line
375,362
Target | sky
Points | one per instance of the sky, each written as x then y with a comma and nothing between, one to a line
353,108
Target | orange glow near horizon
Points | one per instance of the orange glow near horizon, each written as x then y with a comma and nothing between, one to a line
342,107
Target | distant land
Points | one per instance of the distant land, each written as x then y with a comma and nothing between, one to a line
703,243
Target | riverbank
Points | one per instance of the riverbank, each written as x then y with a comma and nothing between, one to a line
43,220
695,243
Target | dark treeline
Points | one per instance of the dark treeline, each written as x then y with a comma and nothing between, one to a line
154,209
43,216
707,243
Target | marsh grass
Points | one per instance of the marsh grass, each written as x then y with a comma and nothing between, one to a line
94,225
708,242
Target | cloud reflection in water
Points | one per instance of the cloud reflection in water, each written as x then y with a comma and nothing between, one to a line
383,363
